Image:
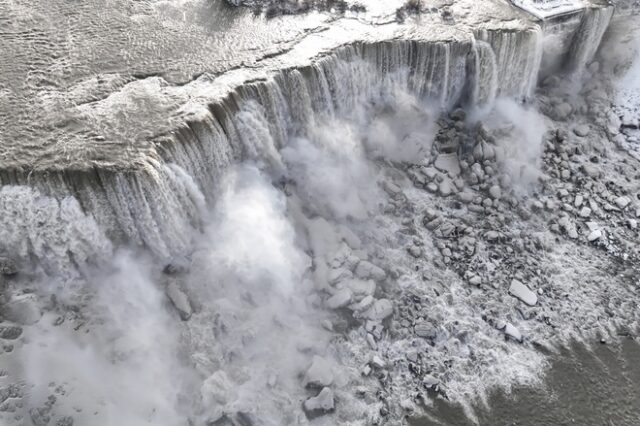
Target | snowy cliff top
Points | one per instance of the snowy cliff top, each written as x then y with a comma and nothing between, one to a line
84,87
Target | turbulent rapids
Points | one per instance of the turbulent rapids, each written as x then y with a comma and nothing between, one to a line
340,232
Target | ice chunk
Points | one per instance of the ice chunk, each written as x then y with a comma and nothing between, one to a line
511,331
523,293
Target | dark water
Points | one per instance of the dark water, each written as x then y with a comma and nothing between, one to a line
597,386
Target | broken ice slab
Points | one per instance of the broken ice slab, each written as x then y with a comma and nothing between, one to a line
523,293
511,331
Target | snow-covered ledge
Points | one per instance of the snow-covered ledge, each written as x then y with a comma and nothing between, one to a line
544,9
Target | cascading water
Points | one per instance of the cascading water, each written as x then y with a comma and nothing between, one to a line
277,207
588,37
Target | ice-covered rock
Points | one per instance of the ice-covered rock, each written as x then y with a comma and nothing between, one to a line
475,280
458,114
591,170
425,330
415,251
361,288
380,310
179,300
177,265
391,188
581,130
22,309
495,192
511,331
483,151
429,381
448,163
622,202
363,305
522,292
445,188
630,119
562,110
340,299
217,389
466,197
595,235
319,374
339,274
585,212
322,403
367,270
377,362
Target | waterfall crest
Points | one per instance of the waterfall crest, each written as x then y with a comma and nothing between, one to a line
155,208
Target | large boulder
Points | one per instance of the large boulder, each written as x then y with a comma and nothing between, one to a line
22,309
322,403
319,375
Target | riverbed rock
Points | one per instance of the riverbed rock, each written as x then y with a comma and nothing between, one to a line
522,292
380,310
